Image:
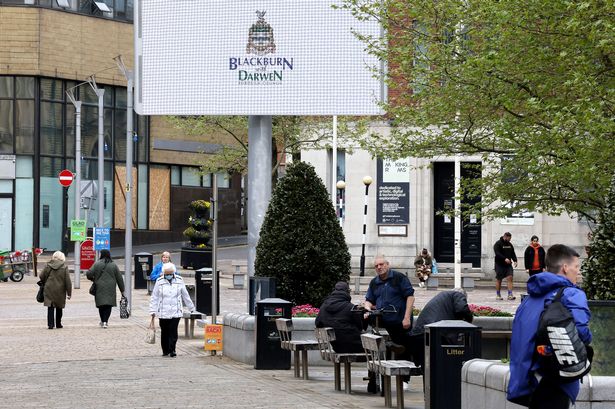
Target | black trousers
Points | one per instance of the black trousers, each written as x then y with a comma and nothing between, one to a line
417,349
549,395
168,334
105,312
58,317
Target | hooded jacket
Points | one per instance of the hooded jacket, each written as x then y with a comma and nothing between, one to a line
336,312
541,288
528,256
57,284
167,297
504,250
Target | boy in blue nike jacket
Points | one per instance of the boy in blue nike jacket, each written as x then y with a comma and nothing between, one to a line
526,386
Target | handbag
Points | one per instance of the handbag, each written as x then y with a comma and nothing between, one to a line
40,296
93,289
150,336
124,310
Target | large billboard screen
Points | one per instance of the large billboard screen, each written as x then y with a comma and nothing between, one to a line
253,57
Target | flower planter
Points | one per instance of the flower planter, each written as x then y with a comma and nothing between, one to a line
195,258
601,325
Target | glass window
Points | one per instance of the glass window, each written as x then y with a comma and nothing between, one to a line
223,179
120,98
24,126
129,10
108,140
207,180
6,87
24,87
51,90
23,167
24,202
88,96
341,165
70,130
120,135
6,126
143,132
175,176
6,186
89,131
190,176
108,98
51,128
51,203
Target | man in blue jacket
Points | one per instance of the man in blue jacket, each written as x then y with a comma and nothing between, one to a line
526,385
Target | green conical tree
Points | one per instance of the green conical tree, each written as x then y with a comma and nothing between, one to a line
599,268
301,242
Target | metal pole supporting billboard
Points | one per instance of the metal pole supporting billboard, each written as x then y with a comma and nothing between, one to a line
128,220
457,269
259,181
77,181
334,162
214,253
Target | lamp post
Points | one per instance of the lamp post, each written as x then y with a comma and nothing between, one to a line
367,180
341,185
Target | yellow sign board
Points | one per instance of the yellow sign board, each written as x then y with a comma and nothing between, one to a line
213,337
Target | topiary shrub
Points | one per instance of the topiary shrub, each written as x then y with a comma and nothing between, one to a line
599,267
198,231
301,242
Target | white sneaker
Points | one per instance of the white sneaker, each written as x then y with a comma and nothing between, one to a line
105,325
100,324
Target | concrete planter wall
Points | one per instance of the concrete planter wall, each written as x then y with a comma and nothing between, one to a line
239,343
484,384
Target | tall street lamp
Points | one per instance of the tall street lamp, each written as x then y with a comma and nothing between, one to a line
367,180
341,185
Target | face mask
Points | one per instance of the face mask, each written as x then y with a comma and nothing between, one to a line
168,276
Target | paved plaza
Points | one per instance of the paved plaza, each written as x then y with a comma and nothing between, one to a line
85,366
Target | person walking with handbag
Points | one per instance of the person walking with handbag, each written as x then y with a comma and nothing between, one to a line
168,298
57,288
105,275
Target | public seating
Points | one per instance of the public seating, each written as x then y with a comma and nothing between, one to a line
467,279
298,348
324,336
189,319
239,274
375,351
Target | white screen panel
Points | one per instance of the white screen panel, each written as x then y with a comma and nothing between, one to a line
228,58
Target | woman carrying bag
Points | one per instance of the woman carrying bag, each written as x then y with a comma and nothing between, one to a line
57,288
105,275
168,298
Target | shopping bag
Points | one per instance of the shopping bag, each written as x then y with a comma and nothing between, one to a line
40,296
124,309
150,336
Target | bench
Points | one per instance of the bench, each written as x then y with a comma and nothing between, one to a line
467,279
324,336
375,350
299,348
189,319
239,275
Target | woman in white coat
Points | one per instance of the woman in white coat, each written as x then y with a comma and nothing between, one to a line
166,303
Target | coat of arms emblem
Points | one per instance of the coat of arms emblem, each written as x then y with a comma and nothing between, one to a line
260,37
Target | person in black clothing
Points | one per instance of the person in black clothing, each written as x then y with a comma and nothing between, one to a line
447,305
534,257
338,313
505,260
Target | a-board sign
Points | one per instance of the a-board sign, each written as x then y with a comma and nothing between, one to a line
88,255
213,337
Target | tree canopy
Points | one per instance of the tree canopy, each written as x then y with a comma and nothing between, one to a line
526,84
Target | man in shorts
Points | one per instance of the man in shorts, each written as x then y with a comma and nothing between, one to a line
505,260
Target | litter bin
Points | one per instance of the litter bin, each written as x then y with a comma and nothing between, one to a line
144,263
260,288
269,354
448,344
203,284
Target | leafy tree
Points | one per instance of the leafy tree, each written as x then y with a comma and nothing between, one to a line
531,81
290,135
301,242
599,268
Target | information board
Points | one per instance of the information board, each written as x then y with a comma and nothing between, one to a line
213,337
78,230
393,191
102,238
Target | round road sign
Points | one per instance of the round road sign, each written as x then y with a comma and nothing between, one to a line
66,177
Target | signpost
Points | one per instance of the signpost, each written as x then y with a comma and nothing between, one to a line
66,177
102,238
87,254
78,230
213,337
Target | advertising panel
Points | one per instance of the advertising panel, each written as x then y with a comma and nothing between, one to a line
244,57
393,191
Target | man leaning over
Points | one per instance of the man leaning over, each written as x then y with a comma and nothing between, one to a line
392,288
527,386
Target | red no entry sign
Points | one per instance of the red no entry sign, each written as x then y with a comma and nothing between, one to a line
66,177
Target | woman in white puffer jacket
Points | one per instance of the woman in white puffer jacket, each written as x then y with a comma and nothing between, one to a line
166,303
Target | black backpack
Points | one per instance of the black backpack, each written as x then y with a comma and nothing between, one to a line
561,354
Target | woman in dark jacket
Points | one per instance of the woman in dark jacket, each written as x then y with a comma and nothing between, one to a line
534,257
337,312
58,288
106,275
